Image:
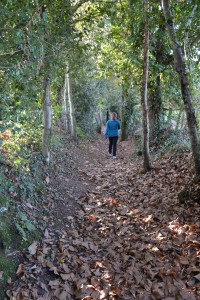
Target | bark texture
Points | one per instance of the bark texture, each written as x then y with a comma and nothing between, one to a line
107,115
46,120
178,120
71,106
98,118
65,106
185,88
144,105
155,110
162,59
124,131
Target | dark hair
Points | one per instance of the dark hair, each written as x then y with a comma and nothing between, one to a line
114,115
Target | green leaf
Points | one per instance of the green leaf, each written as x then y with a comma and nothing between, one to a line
20,229
22,216
29,226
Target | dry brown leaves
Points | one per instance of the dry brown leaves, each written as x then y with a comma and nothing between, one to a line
131,239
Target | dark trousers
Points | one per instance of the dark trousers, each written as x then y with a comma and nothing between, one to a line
113,145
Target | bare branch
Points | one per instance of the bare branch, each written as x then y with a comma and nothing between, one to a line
11,53
6,67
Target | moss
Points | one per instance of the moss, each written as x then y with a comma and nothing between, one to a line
25,243
39,187
4,201
8,266
10,237
7,231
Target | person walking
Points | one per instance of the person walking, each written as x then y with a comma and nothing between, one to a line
112,127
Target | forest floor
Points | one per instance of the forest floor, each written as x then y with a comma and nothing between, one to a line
114,232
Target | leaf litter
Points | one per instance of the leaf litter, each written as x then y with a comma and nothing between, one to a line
128,238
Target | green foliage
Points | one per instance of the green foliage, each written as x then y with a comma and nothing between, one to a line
138,145
175,142
6,228
24,225
8,266
24,228
80,133
5,187
17,227
20,138
20,179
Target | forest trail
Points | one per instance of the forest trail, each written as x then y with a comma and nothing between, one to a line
120,234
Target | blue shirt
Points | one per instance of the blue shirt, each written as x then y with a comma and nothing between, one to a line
112,127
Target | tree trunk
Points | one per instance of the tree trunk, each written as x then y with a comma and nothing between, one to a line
107,115
99,122
65,106
183,121
185,88
169,117
145,118
187,53
155,109
178,120
124,131
46,120
71,106
162,59
186,47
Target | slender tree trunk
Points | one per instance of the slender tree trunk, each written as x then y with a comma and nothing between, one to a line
107,115
71,106
46,101
144,105
186,47
169,117
183,121
187,53
46,120
178,120
162,59
65,107
99,122
185,88
124,134
155,109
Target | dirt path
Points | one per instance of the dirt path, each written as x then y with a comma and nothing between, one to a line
120,234
70,181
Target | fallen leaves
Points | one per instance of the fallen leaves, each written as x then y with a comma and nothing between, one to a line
33,248
20,270
130,239
92,218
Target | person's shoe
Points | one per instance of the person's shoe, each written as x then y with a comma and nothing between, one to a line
110,154
114,157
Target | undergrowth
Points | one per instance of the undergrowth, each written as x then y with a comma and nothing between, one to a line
24,210
177,141
22,173
170,141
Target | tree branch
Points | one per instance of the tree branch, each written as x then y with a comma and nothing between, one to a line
11,53
6,67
